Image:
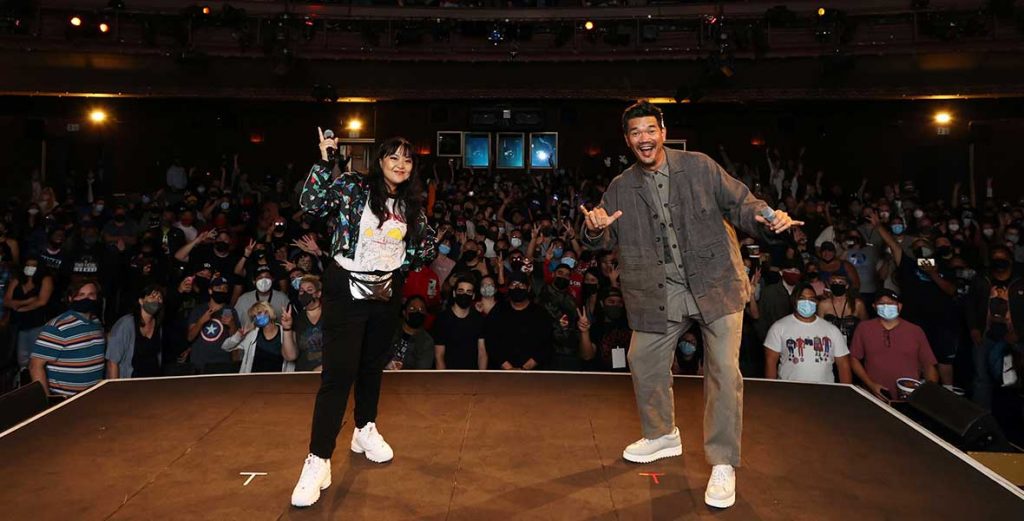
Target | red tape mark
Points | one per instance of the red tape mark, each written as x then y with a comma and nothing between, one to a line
653,476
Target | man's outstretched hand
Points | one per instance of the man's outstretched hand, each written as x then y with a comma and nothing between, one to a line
780,223
598,219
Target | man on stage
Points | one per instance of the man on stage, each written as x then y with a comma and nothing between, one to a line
671,215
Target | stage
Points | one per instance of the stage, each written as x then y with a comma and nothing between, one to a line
478,446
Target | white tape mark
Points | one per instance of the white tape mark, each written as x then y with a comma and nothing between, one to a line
252,476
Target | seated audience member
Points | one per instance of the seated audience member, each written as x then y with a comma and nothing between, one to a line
604,343
135,343
413,346
529,347
803,347
888,348
306,331
209,325
68,354
264,292
261,343
458,330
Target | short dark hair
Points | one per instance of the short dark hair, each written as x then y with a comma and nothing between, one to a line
464,278
800,288
641,109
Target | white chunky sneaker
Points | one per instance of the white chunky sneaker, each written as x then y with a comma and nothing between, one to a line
646,451
316,476
721,491
367,440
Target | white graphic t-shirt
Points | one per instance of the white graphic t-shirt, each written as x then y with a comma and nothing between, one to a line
377,249
807,350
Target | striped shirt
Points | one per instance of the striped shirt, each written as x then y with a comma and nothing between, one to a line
73,348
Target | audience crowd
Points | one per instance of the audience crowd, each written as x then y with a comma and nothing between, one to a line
217,273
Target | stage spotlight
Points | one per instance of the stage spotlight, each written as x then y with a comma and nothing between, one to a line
76,21
104,28
588,25
97,116
354,125
943,118
821,11
206,10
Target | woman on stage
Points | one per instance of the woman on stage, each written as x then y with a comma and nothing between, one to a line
380,231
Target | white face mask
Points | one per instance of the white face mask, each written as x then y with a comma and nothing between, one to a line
30,271
263,285
515,242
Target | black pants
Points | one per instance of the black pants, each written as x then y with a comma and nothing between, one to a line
357,345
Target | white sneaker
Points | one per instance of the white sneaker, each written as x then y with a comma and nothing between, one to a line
721,491
316,476
646,451
368,440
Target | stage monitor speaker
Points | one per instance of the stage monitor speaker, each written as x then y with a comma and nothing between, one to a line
971,427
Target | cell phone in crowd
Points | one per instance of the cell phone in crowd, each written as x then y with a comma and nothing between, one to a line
925,263
753,251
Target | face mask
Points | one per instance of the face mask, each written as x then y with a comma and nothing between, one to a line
589,289
518,294
306,299
201,189
837,289
557,252
953,227
888,311
806,308
791,277
120,217
444,249
614,312
263,285
923,252
98,208
1001,264
568,261
225,205
561,283
296,282
988,232
488,291
464,300
30,271
152,307
88,306
222,247
515,242
1012,238
416,319
469,256
944,251
687,349
851,244
883,216
898,228
918,213
262,320
220,297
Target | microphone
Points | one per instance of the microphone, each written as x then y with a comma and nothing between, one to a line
766,212
331,151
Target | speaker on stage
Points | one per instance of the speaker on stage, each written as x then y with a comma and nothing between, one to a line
967,425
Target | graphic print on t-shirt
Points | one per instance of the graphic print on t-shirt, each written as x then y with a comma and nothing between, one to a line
212,331
797,347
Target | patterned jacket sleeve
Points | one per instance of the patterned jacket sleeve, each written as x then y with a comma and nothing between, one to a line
425,249
319,196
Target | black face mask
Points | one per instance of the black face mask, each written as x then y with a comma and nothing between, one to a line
518,295
944,252
201,283
589,289
561,283
305,299
416,319
464,300
89,306
469,256
220,297
1001,264
222,247
837,289
120,218
614,312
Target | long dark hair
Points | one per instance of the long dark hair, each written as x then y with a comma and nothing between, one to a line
158,319
408,195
